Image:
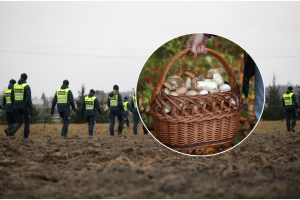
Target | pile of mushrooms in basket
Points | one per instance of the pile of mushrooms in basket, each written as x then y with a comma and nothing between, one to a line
190,85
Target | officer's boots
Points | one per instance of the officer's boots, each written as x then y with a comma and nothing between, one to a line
7,131
13,131
292,128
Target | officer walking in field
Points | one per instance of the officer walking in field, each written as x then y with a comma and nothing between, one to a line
88,108
116,108
10,115
290,104
136,116
21,102
64,98
127,107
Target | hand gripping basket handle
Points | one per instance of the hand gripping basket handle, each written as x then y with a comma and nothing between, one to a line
163,74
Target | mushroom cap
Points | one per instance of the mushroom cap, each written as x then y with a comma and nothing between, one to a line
173,93
169,85
203,92
181,90
187,73
225,88
182,84
221,71
175,78
191,93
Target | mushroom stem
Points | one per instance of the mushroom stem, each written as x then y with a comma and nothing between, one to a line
188,83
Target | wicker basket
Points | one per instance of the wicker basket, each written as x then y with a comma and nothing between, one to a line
184,128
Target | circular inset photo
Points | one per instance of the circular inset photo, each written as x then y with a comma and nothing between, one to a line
200,94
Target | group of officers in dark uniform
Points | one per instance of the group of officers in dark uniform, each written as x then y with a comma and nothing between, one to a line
17,104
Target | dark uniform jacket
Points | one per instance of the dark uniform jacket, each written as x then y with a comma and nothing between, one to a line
295,102
27,97
120,103
62,107
90,112
8,107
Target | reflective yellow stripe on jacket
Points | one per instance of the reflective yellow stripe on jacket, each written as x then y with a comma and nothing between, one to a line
288,99
125,106
113,100
19,91
134,101
6,94
62,95
90,103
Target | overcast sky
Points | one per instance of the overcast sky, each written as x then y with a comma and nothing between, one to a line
107,43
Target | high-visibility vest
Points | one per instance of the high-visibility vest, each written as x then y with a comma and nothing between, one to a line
113,100
62,95
19,92
6,94
125,106
134,101
90,103
288,99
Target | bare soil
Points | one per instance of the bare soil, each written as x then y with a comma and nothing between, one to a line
263,166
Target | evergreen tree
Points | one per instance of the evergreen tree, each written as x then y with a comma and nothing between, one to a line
273,106
35,118
76,116
46,117
44,99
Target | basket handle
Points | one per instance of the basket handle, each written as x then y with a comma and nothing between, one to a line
161,80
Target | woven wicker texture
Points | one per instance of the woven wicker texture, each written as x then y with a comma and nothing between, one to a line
190,122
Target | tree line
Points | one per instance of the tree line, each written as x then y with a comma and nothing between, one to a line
273,109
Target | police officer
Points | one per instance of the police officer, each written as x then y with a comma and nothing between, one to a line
10,116
127,107
136,116
290,104
64,98
116,108
88,108
21,102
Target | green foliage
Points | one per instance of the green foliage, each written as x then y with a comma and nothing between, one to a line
35,118
2,117
46,117
273,107
45,101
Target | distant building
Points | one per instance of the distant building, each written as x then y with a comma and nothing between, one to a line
101,95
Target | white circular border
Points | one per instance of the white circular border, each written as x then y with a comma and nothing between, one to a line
201,155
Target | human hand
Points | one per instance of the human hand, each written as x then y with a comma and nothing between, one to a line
197,43
298,109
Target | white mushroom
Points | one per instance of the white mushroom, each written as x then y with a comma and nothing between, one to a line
221,71
173,93
181,90
169,85
218,79
208,80
166,91
225,88
202,92
176,80
209,86
191,93
187,76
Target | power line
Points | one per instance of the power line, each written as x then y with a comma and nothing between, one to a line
56,54
33,45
